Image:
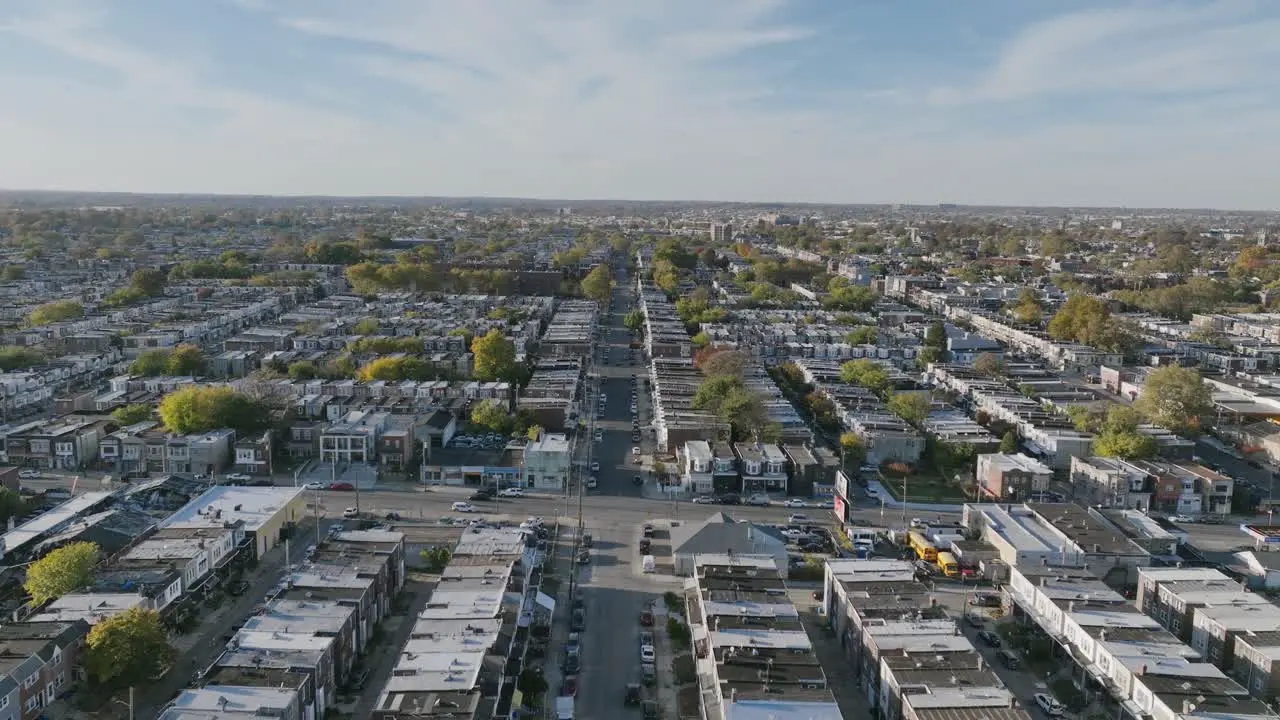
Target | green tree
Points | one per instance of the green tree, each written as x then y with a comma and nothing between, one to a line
1009,443
198,408
303,370
866,373
534,432
12,505
598,284
367,326
491,414
1175,398
1028,309
912,407
149,281
13,273
56,311
63,570
990,365
928,355
150,363
132,414
634,320
128,649
853,449
861,335
392,369
13,357
495,356
936,335
1127,446
185,359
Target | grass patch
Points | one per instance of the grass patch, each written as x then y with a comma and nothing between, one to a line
925,487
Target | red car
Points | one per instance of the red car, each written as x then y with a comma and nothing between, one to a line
646,619
569,687
342,486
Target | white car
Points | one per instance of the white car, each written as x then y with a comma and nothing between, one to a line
792,533
511,492
647,654
1049,705
798,518
595,467
917,523
463,507
314,486
350,513
704,500
599,436
1181,519
239,477
635,451
28,474
825,504
795,503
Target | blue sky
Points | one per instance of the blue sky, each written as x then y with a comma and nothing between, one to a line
1153,104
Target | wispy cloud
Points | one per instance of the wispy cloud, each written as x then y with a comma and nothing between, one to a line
1150,48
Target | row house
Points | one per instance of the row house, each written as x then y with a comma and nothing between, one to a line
23,392
143,448
1011,477
38,662
194,552
56,445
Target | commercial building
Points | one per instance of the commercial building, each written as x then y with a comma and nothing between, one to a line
268,514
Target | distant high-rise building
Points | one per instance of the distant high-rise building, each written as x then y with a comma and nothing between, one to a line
721,232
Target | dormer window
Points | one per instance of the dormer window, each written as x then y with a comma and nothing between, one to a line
753,468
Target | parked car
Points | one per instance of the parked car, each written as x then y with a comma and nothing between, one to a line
28,474
351,513
238,477
990,638
704,500
572,663
1181,519
579,620
462,507
631,694
238,587
646,619
341,487
649,710
798,518
584,557
595,467
592,483
1009,660
974,620
314,486
648,654
637,481
1049,704
511,493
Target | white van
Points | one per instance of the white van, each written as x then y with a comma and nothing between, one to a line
648,564
564,707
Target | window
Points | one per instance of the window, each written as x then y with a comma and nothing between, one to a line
4,702
32,703
753,468
31,680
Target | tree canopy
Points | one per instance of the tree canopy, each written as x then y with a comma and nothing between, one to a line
199,408
129,648
1086,319
14,357
865,373
912,407
492,415
132,414
494,357
55,311
633,320
990,365
12,504
63,570
598,284
1175,398
402,367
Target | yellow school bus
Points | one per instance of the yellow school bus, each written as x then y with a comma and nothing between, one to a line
924,549
948,564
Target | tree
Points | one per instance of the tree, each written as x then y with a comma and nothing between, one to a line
598,284
149,281
1028,310
989,364
1127,446
186,359
128,649
853,449
1175,398
64,570
634,320
367,326
14,357
861,335
928,355
936,335
303,370
1009,443
912,407
11,505
724,362
866,373
495,356
490,414
150,363
132,414
393,369
56,311
534,432
199,408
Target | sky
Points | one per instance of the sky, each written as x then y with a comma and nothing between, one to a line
1008,102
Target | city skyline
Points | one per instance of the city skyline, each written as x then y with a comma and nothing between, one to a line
1152,104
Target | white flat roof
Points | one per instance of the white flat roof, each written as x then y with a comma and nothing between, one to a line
461,604
256,506
49,520
235,699
774,639
781,710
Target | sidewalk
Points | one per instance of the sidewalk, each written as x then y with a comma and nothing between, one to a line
560,565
